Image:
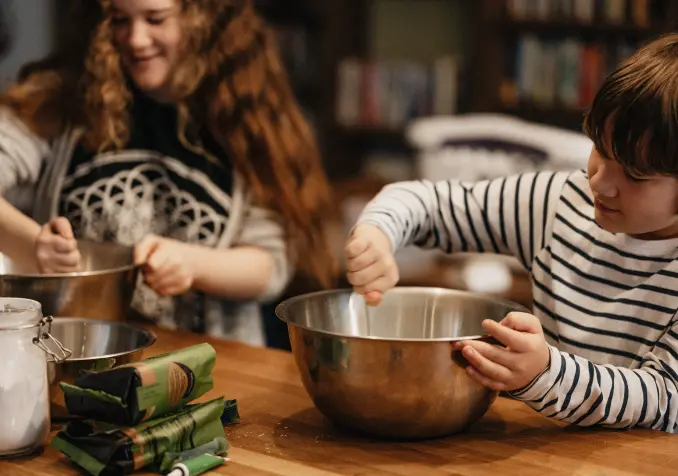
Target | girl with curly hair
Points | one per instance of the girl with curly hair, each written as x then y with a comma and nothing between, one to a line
168,125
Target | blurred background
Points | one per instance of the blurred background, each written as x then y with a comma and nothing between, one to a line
435,89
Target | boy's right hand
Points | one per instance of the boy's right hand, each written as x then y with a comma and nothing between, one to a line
372,269
56,248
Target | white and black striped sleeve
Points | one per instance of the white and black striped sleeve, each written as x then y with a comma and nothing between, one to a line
577,391
508,215
21,153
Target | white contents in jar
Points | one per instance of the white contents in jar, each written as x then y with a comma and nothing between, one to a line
24,392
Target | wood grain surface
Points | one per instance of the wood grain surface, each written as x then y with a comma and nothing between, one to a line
281,433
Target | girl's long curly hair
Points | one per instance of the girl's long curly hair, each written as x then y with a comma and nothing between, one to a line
231,81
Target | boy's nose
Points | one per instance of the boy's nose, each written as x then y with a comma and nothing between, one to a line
603,183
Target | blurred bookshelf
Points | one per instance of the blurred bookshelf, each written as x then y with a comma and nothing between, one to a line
571,26
545,59
541,60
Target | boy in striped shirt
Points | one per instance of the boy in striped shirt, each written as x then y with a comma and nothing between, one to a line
601,247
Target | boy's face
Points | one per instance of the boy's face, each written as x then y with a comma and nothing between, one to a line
643,207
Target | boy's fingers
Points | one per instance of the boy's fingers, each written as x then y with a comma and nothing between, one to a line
365,276
484,380
381,284
522,322
362,261
489,369
513,339
373,298
355,247
494,353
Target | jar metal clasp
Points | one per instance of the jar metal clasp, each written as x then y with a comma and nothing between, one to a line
44,335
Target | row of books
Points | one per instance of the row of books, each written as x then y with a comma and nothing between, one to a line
390,94
641,13
564,73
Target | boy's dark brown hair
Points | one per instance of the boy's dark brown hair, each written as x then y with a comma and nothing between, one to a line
634,116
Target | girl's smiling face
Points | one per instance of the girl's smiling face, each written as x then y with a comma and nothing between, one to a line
147,34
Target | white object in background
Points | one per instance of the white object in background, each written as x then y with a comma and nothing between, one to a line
487,275
440,141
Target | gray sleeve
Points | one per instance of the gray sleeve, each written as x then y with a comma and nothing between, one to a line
22,153
262,229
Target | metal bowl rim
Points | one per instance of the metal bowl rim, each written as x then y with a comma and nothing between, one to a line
151,337
77,274
286,303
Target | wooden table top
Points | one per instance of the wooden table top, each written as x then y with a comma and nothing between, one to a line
281,433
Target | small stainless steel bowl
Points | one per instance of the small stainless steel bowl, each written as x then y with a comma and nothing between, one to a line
390,370
96,345
102,290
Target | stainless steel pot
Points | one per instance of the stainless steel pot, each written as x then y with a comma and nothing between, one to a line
390,370
96,345
102,290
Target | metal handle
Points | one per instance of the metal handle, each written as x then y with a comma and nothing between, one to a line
38,341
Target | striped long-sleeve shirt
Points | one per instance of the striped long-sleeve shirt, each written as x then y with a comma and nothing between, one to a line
607,302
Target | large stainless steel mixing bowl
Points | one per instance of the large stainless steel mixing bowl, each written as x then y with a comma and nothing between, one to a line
102,290
96,345
390,370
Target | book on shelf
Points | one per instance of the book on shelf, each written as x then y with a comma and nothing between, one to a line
388,94
563,73
583,10
611,12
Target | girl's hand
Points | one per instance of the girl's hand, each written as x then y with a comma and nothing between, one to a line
165,265
56,249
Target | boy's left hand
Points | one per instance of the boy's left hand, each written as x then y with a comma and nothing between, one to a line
165,265
506,369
